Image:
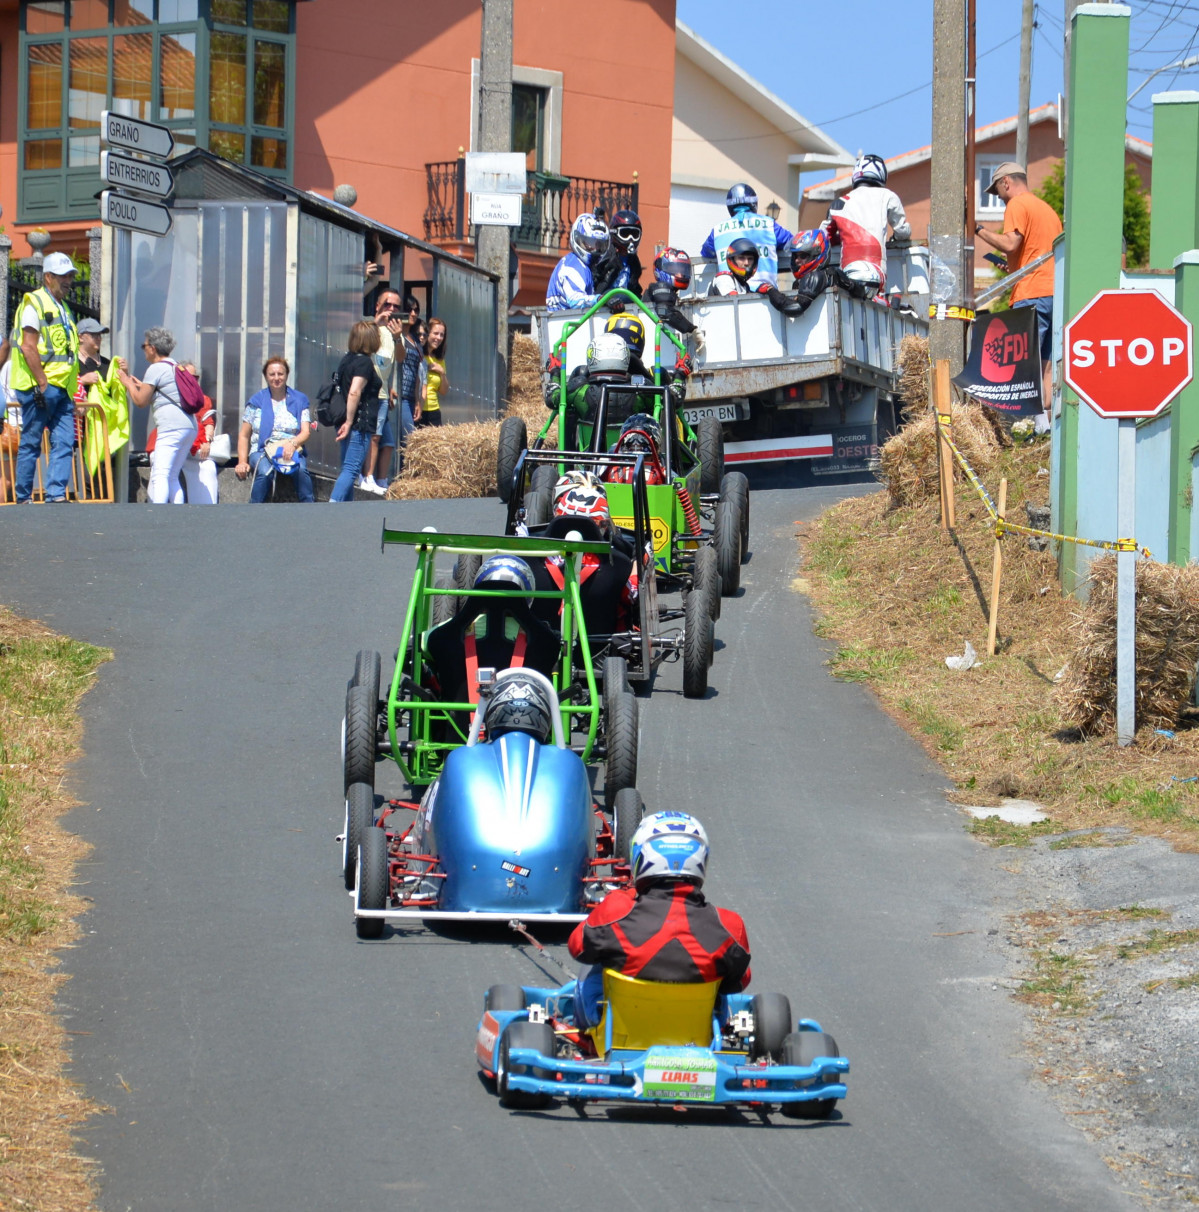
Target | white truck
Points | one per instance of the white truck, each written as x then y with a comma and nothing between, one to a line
820,386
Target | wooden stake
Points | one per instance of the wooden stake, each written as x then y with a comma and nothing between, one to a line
942,397
997,572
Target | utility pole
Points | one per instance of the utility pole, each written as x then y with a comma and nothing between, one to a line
968,215
1025,83
495,135
947,337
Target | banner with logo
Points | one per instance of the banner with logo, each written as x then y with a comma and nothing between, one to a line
1003,370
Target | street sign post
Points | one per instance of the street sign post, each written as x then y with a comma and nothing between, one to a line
141,176
1127,354
499,209
136,135
146,176
134,214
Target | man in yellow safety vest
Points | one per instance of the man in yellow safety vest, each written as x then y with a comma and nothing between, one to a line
45,348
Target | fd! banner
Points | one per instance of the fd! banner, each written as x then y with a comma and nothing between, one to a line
1004,366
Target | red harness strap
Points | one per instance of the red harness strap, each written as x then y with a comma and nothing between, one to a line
472,661
558,577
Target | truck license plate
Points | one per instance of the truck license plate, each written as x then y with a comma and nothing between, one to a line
722,412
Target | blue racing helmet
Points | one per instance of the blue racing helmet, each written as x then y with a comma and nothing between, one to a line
500,571
809,250
741,197
670,847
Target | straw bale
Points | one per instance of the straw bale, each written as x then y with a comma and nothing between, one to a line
1167,647
908,460
912,380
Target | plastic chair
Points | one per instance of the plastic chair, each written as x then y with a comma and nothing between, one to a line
640,1014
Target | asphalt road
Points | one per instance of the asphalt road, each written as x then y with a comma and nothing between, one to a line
256,1056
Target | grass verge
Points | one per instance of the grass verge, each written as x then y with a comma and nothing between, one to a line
42,678
896,596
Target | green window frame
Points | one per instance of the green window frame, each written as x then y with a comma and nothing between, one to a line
219,73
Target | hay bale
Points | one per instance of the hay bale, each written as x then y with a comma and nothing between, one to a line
461,456
912,380
908,460
526,388
1167,645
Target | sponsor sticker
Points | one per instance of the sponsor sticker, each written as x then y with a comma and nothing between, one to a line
680,1075
485,1039
516,869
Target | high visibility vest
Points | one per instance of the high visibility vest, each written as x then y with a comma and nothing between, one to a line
57,344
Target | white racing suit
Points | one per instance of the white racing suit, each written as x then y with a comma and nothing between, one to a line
858,222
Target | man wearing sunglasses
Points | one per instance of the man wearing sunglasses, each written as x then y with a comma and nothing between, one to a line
620,266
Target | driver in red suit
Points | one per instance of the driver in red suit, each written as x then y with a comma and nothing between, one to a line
665,930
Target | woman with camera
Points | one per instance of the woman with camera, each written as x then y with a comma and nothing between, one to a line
361,383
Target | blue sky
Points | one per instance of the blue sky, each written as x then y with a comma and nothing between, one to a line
830,61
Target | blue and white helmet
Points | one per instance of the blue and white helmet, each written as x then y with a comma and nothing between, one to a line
669,846
588,238
741,197
498,571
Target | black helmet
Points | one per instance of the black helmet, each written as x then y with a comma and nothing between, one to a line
740,247
640,432
625,230
741,197
520,702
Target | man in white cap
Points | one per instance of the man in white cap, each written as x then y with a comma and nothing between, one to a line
45,346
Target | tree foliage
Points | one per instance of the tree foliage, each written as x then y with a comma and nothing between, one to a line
1136,208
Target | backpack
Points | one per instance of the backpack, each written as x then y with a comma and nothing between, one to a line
191,395
331,403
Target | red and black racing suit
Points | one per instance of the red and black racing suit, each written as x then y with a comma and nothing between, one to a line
668,933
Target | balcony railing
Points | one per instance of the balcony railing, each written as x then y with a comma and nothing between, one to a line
549,206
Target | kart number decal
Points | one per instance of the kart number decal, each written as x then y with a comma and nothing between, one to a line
658,528
485,1040
515,869
680,1075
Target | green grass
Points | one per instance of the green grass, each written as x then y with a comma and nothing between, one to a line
1059,983
1174,804
1003,833
1157,941
947,734
1097,840
861,663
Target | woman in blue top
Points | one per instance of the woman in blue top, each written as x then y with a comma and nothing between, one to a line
274,429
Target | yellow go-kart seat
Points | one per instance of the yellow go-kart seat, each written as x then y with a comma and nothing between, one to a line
639,1014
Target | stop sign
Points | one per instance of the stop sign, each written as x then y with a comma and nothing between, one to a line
1128,353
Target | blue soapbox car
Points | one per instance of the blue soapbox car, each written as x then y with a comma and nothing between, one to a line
658,1043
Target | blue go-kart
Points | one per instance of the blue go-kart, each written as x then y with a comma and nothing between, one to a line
670,1044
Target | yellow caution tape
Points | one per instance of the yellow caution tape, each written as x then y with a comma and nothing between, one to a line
947,311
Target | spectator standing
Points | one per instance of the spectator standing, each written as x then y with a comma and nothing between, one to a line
1030,227
176,428
199,468
410,368
276,425
382,448
93,366
44,376
362,385
438,382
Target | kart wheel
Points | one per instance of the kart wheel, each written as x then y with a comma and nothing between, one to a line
706,578
697,644
360,816
544,479
366,671
711,454
523,1034
538,509
362,713
772,1025
802,1048
374,880
726,538
620,730
443,608
504,997
466,568
627,811
735,487
514,441
616,679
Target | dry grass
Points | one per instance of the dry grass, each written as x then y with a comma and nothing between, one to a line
42,678
908,462
898,596
913,369
459,460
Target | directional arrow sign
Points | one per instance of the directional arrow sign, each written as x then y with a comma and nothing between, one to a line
117,210
145,176
133,134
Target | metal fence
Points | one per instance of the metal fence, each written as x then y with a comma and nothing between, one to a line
24,279
550,205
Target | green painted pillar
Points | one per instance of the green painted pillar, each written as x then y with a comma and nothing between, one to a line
1174,220
1094,215
1184,414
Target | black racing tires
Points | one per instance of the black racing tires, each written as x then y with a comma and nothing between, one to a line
443,607
544,478
362,713
772,1025
360,816
735,487
466,568
504,997
726,538
710,439
367,665
627,812
374,881
802,1048
514,441
615,679
537,509
705,577
620,734
522,1034
697,643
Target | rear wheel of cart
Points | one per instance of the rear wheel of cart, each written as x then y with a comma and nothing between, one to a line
772,1024
443,607
620,734
537,509
711,454
735,487
360,816
627,811
616,678
544,479
466,568
522,1034
802,1048
362,714
504,997
374,880
726,538
697,643
514,441
706,577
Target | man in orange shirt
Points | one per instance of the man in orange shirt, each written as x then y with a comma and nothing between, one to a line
1029,228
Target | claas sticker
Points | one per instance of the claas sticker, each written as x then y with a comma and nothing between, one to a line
658,528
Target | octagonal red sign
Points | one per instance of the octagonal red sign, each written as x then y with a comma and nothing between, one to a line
1128,353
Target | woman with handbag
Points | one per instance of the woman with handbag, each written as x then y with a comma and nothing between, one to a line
361,383
276,425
